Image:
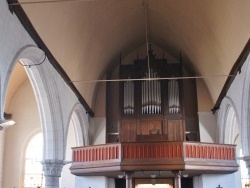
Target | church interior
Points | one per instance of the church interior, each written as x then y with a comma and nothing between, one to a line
124,94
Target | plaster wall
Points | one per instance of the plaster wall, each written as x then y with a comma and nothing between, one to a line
237,88
100,100
12,38
25,114
238,95
214,180
23,107
94,182
67,180
235,92
207,127
97,130
205,102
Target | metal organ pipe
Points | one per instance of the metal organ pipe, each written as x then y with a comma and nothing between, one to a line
128,105
169,96
129,97
173,97
125,96
144,97
151,95
158,89
132,97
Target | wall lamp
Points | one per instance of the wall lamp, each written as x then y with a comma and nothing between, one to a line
6,123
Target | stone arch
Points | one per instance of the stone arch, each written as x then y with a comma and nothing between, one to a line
228,122
245,109
80,122
45,89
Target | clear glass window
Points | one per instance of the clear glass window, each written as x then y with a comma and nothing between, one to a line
33,170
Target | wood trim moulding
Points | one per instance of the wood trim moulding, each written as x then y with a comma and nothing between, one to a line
23,18
236,68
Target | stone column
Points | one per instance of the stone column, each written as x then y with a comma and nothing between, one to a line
129,180
52,171
177,179
2,140
247,160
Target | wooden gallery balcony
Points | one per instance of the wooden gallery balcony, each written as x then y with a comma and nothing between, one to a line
192,158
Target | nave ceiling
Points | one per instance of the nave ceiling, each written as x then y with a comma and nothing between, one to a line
87,36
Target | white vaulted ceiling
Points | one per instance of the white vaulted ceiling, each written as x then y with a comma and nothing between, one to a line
86,36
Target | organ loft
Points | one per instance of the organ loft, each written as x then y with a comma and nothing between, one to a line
152,129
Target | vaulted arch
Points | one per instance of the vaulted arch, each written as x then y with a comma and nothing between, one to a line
79,120
40,73
228,122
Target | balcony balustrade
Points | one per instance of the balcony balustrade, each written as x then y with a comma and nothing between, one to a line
165,156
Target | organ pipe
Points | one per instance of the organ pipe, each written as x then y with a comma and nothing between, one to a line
128,103
151,95
173,97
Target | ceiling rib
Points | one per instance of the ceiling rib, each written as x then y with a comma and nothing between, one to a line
236,68
23,18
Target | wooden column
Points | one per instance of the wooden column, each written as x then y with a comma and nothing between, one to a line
129,180
177,179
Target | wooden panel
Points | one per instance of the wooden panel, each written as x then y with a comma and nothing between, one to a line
175,130
150,127
156,150
128,131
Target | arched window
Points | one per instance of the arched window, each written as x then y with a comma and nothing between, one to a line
33,170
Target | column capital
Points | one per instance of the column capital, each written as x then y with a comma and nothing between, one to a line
52,167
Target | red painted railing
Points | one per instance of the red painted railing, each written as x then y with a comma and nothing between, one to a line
154,150
97,153
209,151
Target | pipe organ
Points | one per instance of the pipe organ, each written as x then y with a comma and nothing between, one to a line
128,104
173,97
151,95
153,108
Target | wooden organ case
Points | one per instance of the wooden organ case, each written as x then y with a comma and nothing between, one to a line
155,109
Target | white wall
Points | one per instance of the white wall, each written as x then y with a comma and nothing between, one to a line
94,182
67,179
214,180
207,126
12,38
25,113
97,130
238,94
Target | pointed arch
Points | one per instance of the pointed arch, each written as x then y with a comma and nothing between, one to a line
46,93
80,122
228,122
